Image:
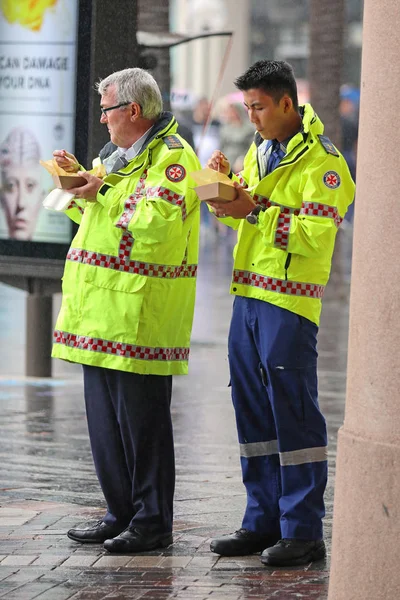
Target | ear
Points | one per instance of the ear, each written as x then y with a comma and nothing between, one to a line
136,111
287,103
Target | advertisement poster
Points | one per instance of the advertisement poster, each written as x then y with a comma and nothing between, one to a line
37,112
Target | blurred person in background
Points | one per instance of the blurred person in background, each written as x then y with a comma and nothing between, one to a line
127,307
206,140
21,191
299,189
236,131
181,105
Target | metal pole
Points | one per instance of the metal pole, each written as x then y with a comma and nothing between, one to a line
38,335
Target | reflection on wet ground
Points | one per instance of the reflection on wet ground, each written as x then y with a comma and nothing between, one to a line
47,481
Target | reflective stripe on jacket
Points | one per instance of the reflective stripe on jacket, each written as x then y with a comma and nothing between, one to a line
130,274
286,258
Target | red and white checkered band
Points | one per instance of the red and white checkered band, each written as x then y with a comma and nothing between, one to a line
169,196
175,173
332,180
321,210
131,202
118,263
282,231
129,211
125,246
267,203
271,284
73,204
83,342
242,181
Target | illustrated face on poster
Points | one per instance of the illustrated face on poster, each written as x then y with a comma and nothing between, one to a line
21,188
37,112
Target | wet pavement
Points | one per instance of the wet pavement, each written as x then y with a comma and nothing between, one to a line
47,480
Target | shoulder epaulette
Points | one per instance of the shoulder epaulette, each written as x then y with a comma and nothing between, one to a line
172,141
327,144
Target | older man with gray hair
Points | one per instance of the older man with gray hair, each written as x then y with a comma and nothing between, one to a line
127,309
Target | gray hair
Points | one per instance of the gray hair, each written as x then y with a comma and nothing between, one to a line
135,85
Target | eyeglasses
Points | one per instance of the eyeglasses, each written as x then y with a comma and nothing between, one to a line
104,111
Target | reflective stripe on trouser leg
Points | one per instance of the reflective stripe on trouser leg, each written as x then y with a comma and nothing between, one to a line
256,429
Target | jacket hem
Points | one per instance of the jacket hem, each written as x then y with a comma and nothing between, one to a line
291,303
128,365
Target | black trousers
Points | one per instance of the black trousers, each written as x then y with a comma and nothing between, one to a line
131,436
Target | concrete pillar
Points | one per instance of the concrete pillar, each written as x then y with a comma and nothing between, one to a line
39,329
366,524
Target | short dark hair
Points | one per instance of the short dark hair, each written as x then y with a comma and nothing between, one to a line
275,77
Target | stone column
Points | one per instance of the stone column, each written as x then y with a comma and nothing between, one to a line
366,524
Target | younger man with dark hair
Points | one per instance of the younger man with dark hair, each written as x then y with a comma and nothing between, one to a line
299,188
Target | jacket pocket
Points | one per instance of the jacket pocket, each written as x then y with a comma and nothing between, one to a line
112,279
113,305
296,389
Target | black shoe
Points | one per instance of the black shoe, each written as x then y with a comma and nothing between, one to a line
94,534
289,552
132,540
242,542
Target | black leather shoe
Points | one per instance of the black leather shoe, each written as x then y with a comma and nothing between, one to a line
94,534
132,540
242,542
290,552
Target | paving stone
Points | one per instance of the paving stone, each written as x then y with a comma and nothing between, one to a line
203,562
49,560
18,560
57,593
11,517
29,591
145,561
111,562
175,561
25,574
80,561
92,594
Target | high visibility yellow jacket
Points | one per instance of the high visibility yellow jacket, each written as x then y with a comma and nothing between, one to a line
285,259
130,274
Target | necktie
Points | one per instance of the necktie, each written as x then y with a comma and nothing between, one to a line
275,156
120,163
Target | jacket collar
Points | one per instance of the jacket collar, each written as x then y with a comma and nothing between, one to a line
311,125
165,125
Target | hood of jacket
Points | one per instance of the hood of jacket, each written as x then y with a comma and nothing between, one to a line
166,124
311,124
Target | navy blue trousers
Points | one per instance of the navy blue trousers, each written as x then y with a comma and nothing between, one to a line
282,433
131,436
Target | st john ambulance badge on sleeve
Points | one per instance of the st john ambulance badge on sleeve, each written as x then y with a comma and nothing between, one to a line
175,173
332,180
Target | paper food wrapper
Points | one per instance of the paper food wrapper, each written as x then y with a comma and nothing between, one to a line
58,200
213,186
64,180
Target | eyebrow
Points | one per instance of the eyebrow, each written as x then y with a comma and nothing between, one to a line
252,104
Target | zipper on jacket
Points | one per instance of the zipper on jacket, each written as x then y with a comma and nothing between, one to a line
130,172
290,162
287,263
